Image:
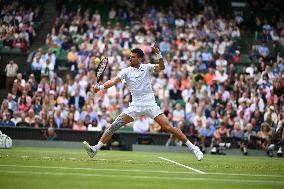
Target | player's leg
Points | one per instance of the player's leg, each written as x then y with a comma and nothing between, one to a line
120,121
164,123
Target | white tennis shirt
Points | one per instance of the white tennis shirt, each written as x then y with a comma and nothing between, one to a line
139,84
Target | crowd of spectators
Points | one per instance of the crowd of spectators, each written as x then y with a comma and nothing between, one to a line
17,22
199,90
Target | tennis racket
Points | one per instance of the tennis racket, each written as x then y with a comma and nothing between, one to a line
101,69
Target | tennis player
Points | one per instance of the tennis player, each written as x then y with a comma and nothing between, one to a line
138,79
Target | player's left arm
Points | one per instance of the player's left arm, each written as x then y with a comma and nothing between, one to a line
160,66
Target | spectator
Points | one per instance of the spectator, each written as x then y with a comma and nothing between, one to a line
7,122
205,132
77,100
23,122
11,70
30,118
51,134
79,126
94,126
36,123
16,117
141,125
265,137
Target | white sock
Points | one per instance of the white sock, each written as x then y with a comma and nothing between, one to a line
189,145
99,145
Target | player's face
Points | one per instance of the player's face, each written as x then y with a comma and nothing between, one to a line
134,59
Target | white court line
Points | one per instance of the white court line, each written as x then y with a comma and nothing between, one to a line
143,177
185,166
138,170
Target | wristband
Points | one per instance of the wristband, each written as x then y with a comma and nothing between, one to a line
101,87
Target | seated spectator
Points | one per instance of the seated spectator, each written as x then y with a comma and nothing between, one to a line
79,126
221,132
94,126
37,123
73,59
248,138
264,136
204,132
238,134
178,114
30,118
155,127
23,122
16,117
51,134
237,58
77,100
65,124
141,125
7,122
23,104
37,64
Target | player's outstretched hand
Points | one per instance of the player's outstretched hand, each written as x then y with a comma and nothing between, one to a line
95,88
155,48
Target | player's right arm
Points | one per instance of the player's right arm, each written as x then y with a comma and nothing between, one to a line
107,84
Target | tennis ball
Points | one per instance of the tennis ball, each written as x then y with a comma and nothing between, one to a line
97,60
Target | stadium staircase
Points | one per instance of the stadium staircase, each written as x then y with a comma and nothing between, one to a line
49,16
3,94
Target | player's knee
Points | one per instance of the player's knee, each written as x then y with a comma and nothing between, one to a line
110,131
113,127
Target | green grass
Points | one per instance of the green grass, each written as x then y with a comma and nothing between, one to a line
33,168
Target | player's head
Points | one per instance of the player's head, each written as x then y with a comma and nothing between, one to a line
136,56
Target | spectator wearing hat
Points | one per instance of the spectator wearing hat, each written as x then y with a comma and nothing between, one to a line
237,57
271,115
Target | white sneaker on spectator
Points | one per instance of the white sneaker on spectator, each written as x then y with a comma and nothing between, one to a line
198,154
90,150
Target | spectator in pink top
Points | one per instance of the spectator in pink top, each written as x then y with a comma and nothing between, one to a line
79,126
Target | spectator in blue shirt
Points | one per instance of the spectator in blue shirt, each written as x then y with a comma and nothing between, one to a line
7,122
206,132
165,46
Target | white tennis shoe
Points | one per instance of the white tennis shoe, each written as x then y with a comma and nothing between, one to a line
198,154
90,149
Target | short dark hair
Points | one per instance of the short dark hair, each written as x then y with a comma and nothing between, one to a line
138,51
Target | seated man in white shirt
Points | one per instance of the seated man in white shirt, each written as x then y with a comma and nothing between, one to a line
141,125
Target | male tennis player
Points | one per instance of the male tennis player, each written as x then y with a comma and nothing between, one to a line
138,79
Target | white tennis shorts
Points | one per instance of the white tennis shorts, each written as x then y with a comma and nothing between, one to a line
136,111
